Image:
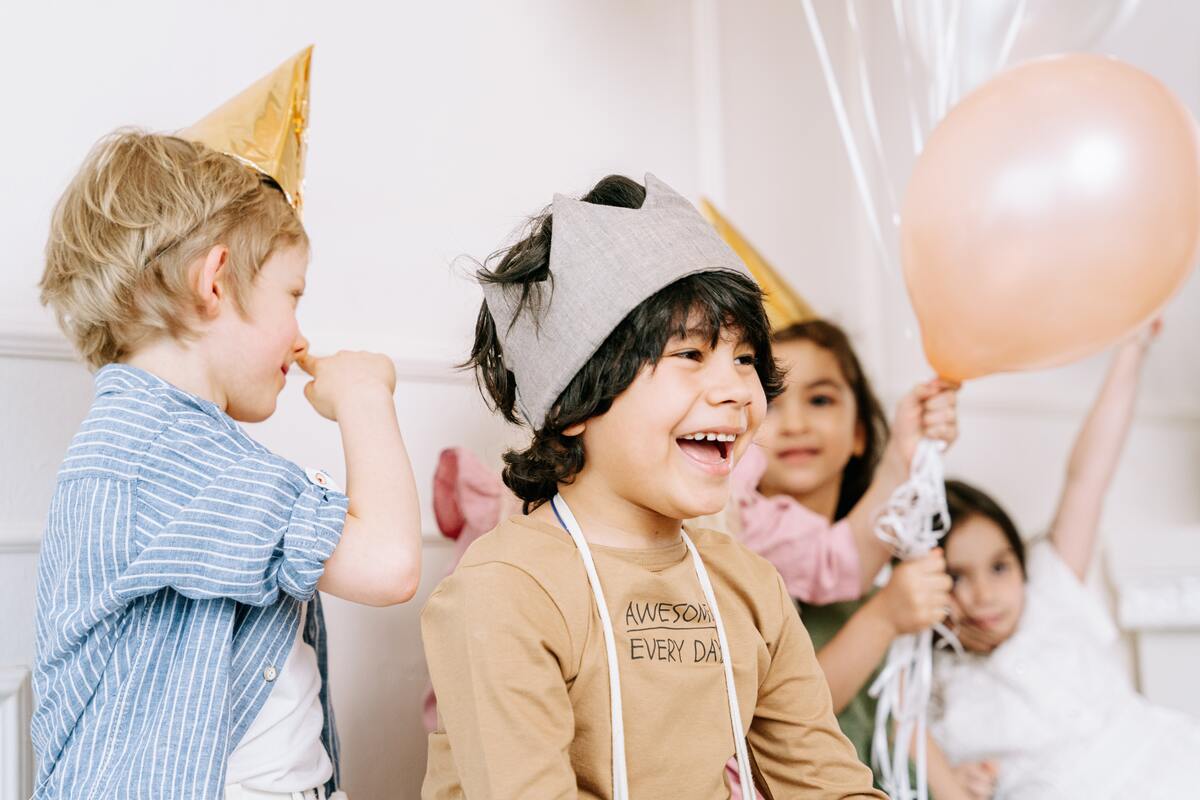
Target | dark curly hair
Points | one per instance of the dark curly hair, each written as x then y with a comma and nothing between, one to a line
860,470
716,300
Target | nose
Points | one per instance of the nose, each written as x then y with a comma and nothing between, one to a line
792,414
728,386
300,346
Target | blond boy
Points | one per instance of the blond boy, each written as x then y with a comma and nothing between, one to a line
180,642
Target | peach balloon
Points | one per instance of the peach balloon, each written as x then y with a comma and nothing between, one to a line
1052,211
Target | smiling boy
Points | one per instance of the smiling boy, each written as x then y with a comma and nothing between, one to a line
595,647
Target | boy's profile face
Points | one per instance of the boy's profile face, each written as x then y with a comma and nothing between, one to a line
250,355
669,441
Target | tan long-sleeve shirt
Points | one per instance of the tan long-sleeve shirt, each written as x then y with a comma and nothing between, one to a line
517,658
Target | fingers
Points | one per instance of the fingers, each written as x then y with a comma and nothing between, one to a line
308,362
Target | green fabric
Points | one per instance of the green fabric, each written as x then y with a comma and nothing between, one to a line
857,720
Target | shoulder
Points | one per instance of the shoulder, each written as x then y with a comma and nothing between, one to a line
521,565
142,428
727,555
749,577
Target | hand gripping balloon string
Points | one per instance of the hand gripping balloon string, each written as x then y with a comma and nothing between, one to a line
912,522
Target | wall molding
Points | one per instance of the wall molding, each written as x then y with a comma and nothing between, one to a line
16,748
39,343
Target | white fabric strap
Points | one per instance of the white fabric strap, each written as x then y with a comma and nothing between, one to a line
620,773
620,778
745,774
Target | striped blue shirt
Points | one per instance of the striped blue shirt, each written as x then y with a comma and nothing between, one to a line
177,555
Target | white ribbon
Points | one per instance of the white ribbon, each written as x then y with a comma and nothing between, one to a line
620,773
912,522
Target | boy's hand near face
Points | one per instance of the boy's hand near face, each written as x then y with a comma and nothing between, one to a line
338,379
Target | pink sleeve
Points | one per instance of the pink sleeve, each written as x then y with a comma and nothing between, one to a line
818,560
735,781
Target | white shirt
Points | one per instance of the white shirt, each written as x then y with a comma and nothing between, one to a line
1054,708
282,750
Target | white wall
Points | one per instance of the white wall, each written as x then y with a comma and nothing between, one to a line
436,127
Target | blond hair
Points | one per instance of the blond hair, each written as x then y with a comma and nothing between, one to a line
140,210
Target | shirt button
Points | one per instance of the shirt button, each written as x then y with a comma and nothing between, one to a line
270,673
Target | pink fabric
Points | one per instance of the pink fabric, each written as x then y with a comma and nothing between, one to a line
735,782
468,501
818,561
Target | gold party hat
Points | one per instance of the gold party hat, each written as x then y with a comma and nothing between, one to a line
784,306
266,126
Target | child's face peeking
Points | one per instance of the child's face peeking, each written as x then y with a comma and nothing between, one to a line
989,585
811,430
647,448
250,356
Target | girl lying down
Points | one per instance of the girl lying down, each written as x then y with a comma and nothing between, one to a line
1040,696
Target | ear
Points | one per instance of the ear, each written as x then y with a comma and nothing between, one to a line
575,430
860,439
207,279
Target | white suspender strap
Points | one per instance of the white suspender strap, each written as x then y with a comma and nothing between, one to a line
620,775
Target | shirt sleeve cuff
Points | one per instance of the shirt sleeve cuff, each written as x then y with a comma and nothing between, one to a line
313,531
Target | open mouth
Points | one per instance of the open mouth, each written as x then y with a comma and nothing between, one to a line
711,450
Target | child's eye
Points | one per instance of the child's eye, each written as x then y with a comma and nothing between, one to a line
954,578
821,400
691,355
747,360
1000,567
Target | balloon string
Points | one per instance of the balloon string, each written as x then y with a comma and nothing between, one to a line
1010,37
843,121
913,520
914,120
868,107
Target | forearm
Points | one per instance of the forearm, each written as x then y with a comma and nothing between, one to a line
1094,460
1100,441
381,543
943,783
851,657
873,553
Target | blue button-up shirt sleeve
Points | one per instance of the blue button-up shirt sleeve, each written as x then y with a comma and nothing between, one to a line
258,527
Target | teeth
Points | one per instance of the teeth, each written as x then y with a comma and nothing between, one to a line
711,437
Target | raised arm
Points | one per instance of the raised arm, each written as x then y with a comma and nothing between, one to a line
378,560
1096,452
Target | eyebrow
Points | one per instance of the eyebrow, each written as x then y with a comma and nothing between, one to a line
819,382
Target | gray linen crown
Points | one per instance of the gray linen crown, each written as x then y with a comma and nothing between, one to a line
604,261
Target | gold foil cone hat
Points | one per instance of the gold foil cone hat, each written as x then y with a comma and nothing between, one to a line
266,126
784,306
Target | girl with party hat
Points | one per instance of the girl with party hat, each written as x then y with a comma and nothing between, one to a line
181,648
595,646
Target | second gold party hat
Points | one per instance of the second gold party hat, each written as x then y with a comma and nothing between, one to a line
784,306
266,126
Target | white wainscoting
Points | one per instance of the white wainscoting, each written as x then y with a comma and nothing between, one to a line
16,751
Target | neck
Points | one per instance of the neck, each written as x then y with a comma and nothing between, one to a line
609,520
179,365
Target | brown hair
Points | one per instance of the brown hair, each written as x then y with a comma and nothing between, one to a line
139,211
860,470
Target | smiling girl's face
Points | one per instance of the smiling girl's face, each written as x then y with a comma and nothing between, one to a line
989,583
811,431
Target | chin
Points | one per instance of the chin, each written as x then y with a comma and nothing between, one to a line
251,413
701,502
